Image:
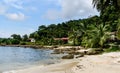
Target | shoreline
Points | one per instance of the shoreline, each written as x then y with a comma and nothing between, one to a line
30,46
105,63
63,65
42,65
52,59
43,47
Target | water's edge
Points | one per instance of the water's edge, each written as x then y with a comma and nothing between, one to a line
39,57
29,46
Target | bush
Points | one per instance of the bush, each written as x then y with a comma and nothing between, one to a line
113,49
15,42
23,43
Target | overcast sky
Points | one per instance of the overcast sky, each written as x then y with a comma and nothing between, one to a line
24,16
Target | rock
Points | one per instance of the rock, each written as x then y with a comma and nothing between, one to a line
99,49
92,52
81,55
70,52
79,66
77,53
55,47
57,51
84,51
68,56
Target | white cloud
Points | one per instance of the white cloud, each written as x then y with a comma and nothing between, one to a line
2,10
52,14
10,9
5,7
72,9
19,4
14,3
15,16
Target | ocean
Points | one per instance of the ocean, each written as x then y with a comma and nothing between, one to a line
13,58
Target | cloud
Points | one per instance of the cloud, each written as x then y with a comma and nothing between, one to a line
52,14
16,16
2,10
14,3
72,9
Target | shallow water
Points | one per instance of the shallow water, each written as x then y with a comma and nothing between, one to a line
12,58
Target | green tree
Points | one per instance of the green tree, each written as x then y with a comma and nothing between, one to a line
36,36
15,41
17,37
102,5
42,27
109,10
118,29
96,37
25,37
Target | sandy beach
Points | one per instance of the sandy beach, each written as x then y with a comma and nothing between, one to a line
105,63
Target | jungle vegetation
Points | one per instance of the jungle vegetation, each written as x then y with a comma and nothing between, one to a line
96,31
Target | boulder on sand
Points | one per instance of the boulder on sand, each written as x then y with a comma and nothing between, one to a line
70,56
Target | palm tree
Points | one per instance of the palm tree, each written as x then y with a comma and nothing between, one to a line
73,36
101,5
118,29
118,1
96,37
109,9
103,34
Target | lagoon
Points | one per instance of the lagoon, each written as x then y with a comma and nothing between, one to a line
12,58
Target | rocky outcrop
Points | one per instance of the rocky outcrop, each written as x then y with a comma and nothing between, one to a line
76,52
70,56
80,55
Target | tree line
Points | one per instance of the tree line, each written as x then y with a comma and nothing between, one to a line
95,31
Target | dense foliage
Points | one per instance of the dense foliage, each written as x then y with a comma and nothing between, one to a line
95,31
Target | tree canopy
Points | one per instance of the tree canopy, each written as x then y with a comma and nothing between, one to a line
95,31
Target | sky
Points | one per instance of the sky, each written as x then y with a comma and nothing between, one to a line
25,16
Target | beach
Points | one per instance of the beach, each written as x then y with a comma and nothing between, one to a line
105,63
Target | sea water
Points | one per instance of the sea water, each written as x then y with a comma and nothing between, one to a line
13,58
